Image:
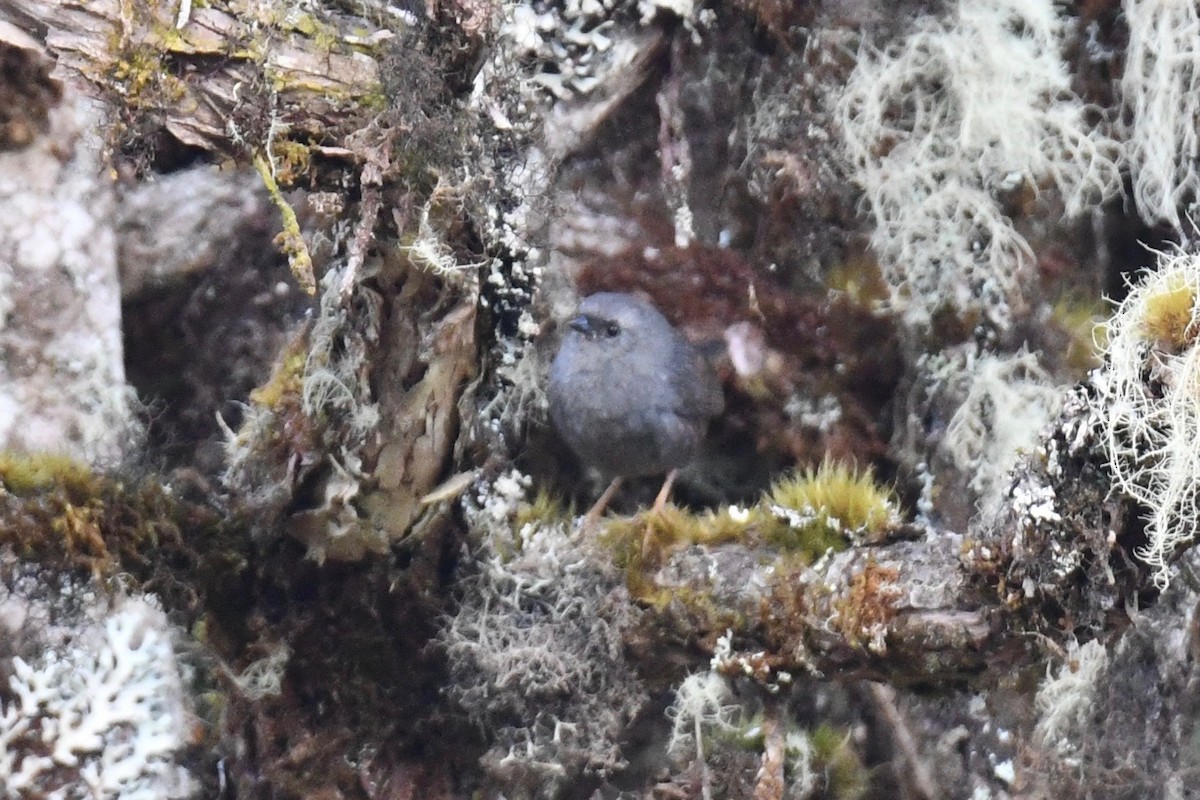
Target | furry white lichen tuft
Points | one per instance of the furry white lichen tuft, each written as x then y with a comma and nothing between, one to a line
536,648
1010,399
1160,89
102,717
704,704
1147,406
941,126
1064,700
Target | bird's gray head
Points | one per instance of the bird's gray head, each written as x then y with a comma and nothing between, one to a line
615,321
627,392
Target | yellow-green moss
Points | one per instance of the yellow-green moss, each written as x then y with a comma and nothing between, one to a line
799,520
51,529
141,77
1167,314
292,160
25,474
640,543
858,279
57,512
290,432
804,515
290,241
286,379
648,536
545,509
1082,319
374,100
305,24
828,507
844,775
172,40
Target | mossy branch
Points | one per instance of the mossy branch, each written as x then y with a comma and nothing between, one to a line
938,607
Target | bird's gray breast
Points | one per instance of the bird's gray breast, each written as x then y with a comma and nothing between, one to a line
619,413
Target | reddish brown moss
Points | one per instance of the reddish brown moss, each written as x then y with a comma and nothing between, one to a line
868,606
55,511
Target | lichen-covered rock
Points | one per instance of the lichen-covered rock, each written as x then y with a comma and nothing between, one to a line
95,707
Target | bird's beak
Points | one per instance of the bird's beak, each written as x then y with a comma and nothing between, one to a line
581,324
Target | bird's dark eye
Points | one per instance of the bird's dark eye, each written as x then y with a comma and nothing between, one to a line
612,329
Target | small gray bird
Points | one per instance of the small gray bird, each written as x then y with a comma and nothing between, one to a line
629,394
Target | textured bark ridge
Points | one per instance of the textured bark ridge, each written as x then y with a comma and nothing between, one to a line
218,72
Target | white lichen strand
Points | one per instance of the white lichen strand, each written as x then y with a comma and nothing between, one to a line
102,718
1064,700
709,714
938,127
1010,400
1160,90
1148,409
264,677
704,705
798,748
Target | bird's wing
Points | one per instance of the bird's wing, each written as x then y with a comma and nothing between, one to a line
695,383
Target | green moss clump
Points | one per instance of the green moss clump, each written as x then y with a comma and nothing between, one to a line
1081,318
844,775
24,475
545,509
286,381
142,78
291,160
804,515
640,542
859,280
799,520
829,507
644,539
1167,314
57,512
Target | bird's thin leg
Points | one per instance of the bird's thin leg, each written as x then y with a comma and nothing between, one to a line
660,503
593,515
665,492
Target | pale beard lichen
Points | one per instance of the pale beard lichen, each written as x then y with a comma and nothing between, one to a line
1010,400
1160,90
941,126
1147,405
